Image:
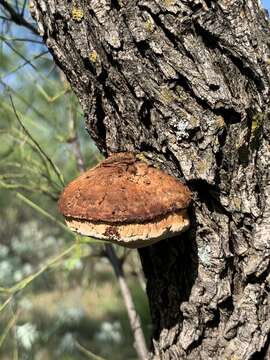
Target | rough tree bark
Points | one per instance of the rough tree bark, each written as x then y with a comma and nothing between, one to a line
187,82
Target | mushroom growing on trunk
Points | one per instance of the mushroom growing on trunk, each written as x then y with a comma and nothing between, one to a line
126,201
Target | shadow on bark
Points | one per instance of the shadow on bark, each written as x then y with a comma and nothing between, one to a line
171,268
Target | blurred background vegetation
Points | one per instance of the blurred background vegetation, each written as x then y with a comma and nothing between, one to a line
59,298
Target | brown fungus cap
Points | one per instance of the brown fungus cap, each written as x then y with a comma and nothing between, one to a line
126,201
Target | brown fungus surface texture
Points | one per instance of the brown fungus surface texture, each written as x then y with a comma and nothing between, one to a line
123,189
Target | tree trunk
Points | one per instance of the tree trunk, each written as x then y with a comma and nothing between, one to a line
187,83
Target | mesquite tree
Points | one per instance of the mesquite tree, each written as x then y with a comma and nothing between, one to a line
187,83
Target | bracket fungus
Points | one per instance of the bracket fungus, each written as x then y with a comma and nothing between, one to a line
126,201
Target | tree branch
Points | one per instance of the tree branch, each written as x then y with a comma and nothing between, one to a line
134,319
17,18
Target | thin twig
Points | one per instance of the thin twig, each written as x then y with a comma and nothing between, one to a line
5,304
23,8
134,319
8,328
4,18
27,62
26,102
87,352
29,279
19,54
73,133
75,142
54,167
34,148
43,212
17,18
30,187
24,40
